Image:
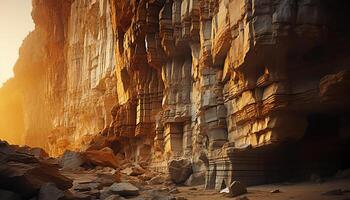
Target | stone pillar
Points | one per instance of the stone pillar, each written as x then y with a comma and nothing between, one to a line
187,138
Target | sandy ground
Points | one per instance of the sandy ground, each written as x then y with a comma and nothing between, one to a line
295,191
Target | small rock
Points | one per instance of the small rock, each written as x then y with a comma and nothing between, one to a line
174,191
275,191
124,189
157,180
193,188
83,187
237,188
225,191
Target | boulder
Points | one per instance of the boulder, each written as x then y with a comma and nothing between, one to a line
180,170
237,188
24,174
27,179
104,157
124,189
71,160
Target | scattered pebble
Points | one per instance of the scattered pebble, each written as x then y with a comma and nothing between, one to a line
275,191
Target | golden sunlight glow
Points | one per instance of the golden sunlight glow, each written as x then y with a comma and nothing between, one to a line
15,22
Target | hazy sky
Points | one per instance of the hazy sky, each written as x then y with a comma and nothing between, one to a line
15,24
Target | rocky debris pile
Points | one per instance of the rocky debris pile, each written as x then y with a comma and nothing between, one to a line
104,183
94,174
28,176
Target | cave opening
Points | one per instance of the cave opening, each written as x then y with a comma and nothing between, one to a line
322,151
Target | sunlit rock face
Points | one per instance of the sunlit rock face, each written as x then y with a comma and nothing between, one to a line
66,67
224,83
11,113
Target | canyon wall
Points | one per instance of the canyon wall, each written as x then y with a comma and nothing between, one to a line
224,83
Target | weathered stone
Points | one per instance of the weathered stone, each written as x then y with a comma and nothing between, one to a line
157,180
25,174
275,191
124,189
237,188
180,170
104,157
71,160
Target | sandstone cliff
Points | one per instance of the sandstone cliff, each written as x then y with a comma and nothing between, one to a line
221,82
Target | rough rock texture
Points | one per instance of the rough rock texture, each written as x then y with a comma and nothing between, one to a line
179,170
25,174
223,82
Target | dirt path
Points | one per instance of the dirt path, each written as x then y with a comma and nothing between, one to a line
299,191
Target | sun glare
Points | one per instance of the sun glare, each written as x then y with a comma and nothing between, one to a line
15,22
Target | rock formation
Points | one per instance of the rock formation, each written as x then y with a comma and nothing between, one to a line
231,85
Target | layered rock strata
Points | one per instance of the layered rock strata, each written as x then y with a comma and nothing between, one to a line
220,82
